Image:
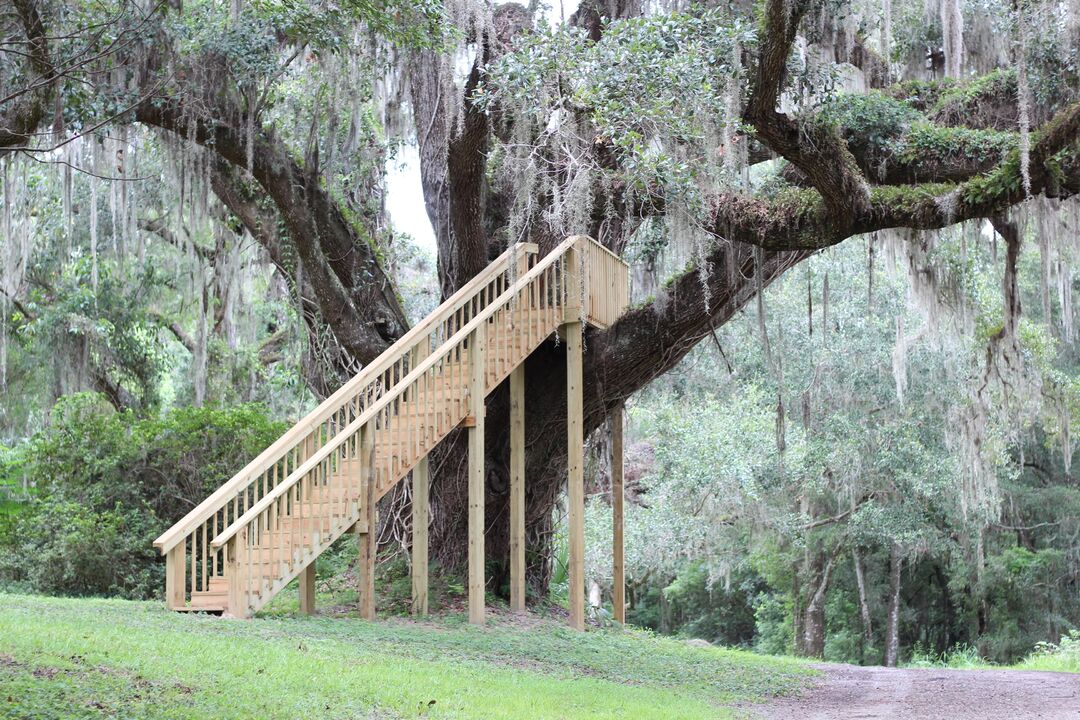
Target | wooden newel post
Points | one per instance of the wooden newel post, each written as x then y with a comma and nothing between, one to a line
174,576
618,593
477,388
237,597
367,525
575,441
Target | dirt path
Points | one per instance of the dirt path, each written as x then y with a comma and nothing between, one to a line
849,693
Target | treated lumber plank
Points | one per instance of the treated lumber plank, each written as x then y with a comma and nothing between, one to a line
420,518
307,589
368,530
476,476
575,468
618,564
175,576
517,489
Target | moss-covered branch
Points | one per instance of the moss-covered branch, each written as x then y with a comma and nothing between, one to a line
799,218
810,144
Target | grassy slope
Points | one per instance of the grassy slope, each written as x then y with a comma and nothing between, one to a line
94,658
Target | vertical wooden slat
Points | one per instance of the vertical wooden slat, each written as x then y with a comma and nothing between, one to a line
517,489
193,572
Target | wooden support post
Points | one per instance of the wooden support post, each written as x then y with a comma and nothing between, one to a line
237,599
420,489
367,527
307,589
575,441
618,593
575,480
517,489
175,576
477,366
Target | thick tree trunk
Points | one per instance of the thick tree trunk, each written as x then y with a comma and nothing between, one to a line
892,627
864,606
811,641
21,116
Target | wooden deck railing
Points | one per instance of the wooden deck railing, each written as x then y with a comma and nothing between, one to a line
606,289
263,527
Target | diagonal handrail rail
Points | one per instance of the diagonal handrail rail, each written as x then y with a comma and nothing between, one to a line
369,413
333,404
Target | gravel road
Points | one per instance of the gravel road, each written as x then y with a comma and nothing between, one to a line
850,693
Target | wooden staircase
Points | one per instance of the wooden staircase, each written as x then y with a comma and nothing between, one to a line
323,477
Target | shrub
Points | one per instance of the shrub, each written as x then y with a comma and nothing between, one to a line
107,483
1063,656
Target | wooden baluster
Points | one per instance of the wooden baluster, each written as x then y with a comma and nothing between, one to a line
245,565
213,521
277,541
296,517
193,572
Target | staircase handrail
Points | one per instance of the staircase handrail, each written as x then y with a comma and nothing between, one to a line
321,454
302,428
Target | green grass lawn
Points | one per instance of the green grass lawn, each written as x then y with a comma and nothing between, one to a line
65,658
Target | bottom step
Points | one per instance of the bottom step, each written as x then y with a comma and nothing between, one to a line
211,609
212,600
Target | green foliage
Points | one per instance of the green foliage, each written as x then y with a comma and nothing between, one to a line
107,483
661,90
966,103
416,23
57,653
1062,656
103,323
870,122
925,139
720,611
959,657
